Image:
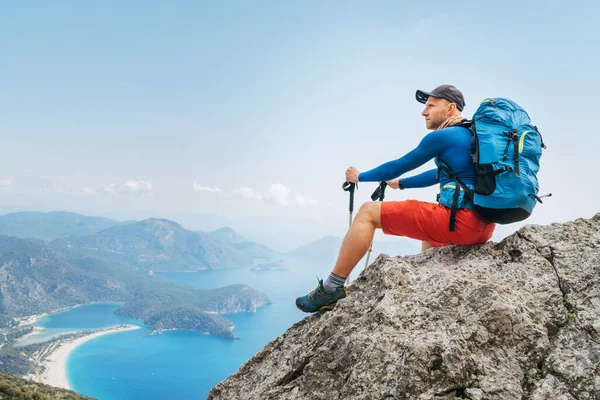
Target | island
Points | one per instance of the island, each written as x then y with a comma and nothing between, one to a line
279,265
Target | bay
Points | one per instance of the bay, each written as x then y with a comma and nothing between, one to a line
76,319
184,364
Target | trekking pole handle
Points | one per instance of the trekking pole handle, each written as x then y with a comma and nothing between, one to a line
349,187
379,193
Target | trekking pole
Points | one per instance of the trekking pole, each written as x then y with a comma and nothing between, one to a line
378,194
349,187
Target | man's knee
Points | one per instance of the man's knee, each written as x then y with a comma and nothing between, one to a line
371,211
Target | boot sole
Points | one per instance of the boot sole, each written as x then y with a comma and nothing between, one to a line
326,307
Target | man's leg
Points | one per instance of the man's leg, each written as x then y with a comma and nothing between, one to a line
425,245
359,238
354,247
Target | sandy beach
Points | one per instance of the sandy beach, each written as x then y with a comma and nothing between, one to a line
30,320
54,366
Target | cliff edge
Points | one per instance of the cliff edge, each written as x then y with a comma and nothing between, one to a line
519,319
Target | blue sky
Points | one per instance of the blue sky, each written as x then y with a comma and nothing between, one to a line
254,109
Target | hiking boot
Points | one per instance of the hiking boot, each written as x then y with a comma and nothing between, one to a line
320,300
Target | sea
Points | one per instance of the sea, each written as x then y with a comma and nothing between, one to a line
180,364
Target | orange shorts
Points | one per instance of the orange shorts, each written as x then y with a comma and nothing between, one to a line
430,222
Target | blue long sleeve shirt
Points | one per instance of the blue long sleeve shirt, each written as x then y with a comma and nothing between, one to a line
452,144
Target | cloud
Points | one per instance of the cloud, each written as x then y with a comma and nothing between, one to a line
199,188
248,193
278,194
138,186
88,191
32,185
6,182
304,201
130,187
112,188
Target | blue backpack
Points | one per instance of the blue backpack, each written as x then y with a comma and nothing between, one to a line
506,150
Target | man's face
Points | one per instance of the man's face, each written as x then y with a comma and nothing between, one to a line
436,111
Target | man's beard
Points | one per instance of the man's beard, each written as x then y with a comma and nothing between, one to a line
433,125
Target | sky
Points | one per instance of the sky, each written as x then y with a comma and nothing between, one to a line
249,112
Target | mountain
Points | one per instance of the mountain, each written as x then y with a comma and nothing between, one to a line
15,388
36,279
226,235
325,248
51,225
33,280
519,319
160,244
253,250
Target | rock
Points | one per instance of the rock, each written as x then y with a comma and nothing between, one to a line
519,319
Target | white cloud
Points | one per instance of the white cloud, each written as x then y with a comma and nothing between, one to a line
248,193
88,191
278,194
138,186
199,188
6,182
112,188
304,201
130,187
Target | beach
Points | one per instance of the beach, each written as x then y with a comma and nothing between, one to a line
54,366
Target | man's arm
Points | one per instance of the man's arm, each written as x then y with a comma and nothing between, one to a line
431,146
425,179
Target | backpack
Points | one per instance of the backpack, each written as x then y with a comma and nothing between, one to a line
506,150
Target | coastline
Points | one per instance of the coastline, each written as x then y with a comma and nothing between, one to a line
53,369
33,319
34,331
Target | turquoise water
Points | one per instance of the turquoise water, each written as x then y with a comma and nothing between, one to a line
92,316
181,364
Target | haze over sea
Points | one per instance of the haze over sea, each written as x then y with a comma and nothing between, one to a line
181,364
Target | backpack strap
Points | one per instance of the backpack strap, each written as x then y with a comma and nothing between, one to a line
459,184
464,123
513,136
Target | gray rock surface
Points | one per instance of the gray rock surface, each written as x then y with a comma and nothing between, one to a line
519,319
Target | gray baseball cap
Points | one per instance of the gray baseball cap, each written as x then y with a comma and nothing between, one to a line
448,92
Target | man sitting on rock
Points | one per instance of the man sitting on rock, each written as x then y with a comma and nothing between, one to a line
425,221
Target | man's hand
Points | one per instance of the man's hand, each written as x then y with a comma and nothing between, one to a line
394,184
352,175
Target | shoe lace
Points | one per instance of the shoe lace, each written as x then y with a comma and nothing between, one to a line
318,292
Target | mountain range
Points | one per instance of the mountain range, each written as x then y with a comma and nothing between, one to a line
164,245
156,244
36,279
75,259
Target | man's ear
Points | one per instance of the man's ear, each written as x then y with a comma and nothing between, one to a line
451,108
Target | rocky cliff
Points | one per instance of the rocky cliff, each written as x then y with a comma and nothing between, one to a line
519,319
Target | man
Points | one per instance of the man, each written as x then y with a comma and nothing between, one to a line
425,221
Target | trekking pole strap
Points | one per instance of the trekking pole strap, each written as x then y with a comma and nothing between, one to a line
379,193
